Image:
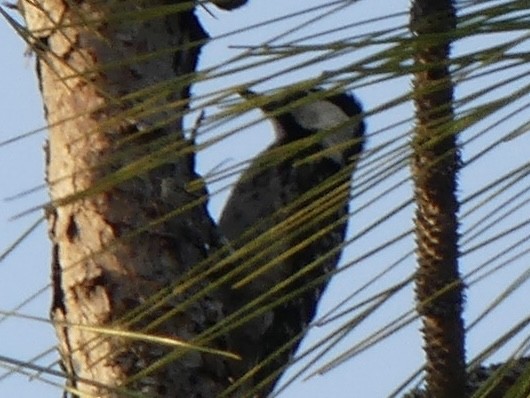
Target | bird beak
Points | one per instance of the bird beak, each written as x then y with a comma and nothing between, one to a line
263,102
247,94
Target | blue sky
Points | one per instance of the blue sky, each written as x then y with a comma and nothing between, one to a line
26,270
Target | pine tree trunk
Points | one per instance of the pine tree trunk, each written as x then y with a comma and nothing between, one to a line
434,167
118,174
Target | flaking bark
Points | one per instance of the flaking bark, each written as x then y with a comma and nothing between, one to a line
118,169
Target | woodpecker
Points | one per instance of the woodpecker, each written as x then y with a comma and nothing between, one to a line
229,4
297,191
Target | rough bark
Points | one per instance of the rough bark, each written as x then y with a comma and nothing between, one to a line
494,381
118,174
435,165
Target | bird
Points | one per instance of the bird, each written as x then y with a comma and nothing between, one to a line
285,221
229,5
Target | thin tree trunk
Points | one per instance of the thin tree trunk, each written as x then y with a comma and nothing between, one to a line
434,167
115,179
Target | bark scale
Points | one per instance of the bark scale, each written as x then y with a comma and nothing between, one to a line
119,169
435,164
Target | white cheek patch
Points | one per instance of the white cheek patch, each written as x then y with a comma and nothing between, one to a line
321,116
